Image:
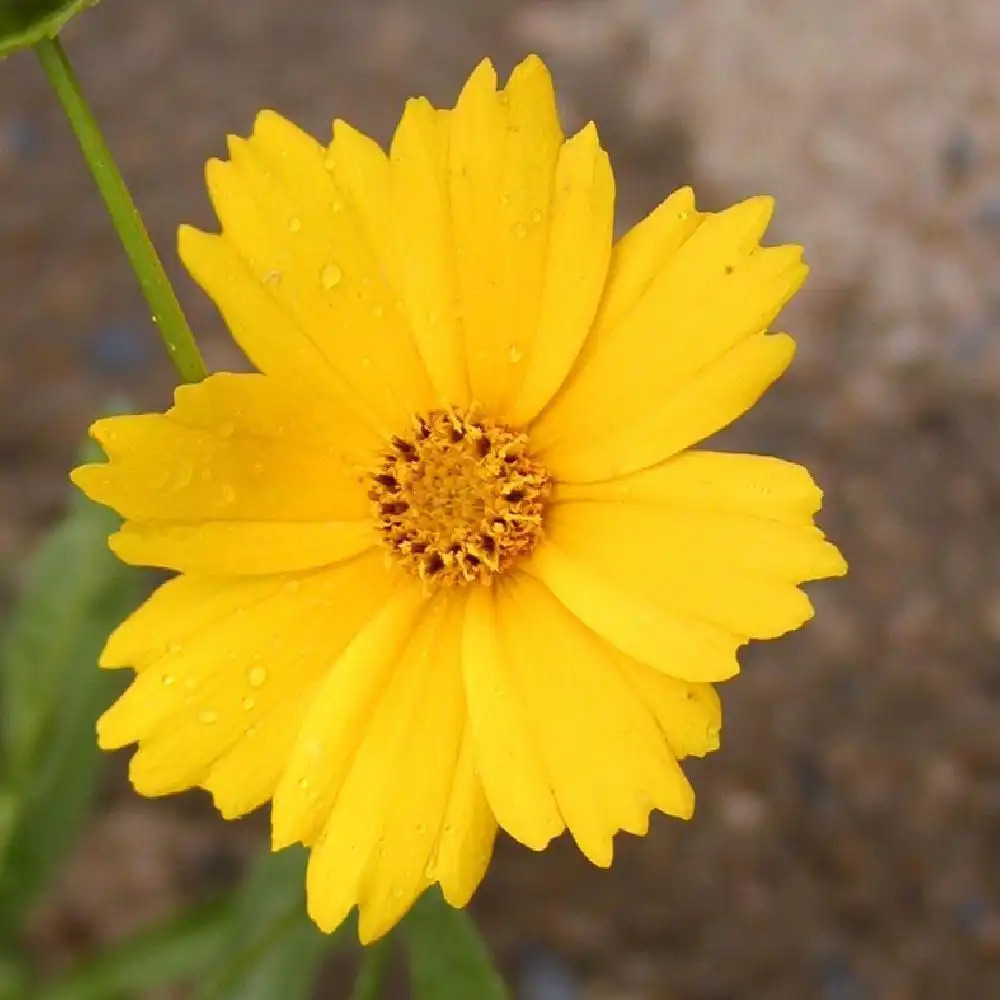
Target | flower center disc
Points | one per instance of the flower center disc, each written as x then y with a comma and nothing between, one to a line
459,500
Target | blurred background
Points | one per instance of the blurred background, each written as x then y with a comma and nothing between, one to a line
845,845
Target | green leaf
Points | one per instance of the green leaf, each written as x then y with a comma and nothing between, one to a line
275,949
25,22
448,958
176,951
51,693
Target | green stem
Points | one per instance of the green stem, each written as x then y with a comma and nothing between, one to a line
164,307
374,968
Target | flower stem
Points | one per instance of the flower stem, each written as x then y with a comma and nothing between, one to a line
164,307
374,968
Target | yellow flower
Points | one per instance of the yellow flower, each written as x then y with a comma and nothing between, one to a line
448,561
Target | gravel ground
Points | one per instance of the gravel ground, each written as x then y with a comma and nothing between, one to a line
845,843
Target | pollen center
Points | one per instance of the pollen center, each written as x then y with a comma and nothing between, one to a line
460,499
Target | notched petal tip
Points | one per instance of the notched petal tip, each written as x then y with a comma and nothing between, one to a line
482,82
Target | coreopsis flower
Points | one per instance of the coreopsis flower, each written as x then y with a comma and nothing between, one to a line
449,561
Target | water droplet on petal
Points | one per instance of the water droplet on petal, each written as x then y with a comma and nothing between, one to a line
331,276
515,354
520,230
303,783
378,312
294,224
175,647
167,680
537,216
206,717
329,161
292,586
684,216
248,703
272,278
256,677
227,429
250,732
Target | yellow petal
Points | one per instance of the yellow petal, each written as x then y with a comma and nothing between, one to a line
238,547
269,334
712,400
603,751
361,170
215,457
466,841
507,753
240,476
338,720
752,485
680,646
424,246
503,149
302,239
714,291
736,570
212,687
178,610
579,247
418,781
689,715
246,775
638,258
376,845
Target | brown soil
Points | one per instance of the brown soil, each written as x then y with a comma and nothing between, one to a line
845,843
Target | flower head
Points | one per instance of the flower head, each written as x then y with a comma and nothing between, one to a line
449,561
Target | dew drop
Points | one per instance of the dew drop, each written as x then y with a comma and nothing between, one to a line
684,216
515,354
292,586
228,493
256,677
397,892
175,647
294,224
206,717
329,161
378,311
227,429
331,276
303,783
248,703
520,230
250,732
167,680
537,216
272,278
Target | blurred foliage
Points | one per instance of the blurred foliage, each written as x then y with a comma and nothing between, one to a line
274,949
51,693
175,951
448,958
23,23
